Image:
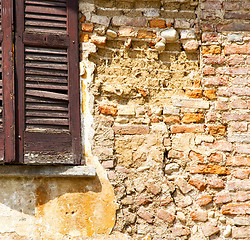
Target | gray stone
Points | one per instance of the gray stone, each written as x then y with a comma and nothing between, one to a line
170,35
151,12
234,37
172,167
187,34
111,33
160,46
102,20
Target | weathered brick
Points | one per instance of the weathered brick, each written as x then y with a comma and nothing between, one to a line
238,161
199,215
208,70
183,185
126,21
231,6
209,229
235,60
216,81
102,20
166,200
207,27
146,34
235,26
209,169
240,91
143,200
215,158
153,188
215,183
124,129
211,5
171,120
179,231
190,103
239,104
232,70
98,40
126,32
87,27
241,173
84,37
222,197
216,130
221,105
212,49
209,37
157,23
165,216
175,154
242,148
235,209
237,15
242,196
236,116
241,232
220,145
144,214
192,128
108,110
241,221
184,202
194,93
214,59
196,157
108,164
204,200
199,184
237,49
238,185
193,118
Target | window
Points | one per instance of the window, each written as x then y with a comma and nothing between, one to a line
39,84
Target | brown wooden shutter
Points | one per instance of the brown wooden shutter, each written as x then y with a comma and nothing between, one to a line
48,81
7,96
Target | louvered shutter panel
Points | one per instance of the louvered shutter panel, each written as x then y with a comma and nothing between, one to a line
7,99
47,80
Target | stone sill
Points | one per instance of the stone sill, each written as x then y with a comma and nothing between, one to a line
46,171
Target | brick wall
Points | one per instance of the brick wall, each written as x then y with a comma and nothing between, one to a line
170,100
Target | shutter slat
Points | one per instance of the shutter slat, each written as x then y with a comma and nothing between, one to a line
46,94
45,10
46,107
40,23
54,66
48,121
46,86
47,3
48,72
46,114
45,17
46,79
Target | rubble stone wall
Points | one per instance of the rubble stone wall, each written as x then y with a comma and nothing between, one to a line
170,100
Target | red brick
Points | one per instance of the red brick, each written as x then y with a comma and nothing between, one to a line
165,216
215,183
209,37
208,70
131,129
241,173
126,32
145,34
199,184
108,110
209,169
238,161
196,157
87,27
157,23
193,118
171,120
215,158
214,59
220,145
235,209
209,229
237,49
216,81
84,37
235,60
222,198
204,200
207,27
198,128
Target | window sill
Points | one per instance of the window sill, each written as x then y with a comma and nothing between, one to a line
47,171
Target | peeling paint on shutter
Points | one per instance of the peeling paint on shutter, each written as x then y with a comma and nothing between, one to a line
48,85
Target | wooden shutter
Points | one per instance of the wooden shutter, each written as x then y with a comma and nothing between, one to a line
7,95
48,81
